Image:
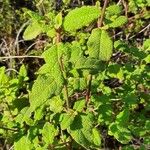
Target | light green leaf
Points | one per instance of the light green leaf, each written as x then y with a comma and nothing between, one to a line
118,22
32,31
58,20
23,144
45,87
146,45
88,63
123,117
38,114
113,10
50,81
96,137
76,52
23,71
66,2
79,105
56,104
3,77
100,45
79,84
34,15
67,119
49,132
80,17
147,59
83,132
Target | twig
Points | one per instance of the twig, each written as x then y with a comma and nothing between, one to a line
19,57
88,93
11,69
17,37
100,21
58,40
11,148
125,8
10,129
141,31
65,85
119,2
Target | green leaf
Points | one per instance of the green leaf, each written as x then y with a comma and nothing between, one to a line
121,133
119,128
50,81
34,15
123,117
79,105
66,2
3,77
23,71
55,54
49,132
56,104
79,84
58,21
83,132
113,10
45,87
76,52
146,45
80,17
118,22
67,119
32,31
38,114
23,143
87,63
105,113
100,45
96,137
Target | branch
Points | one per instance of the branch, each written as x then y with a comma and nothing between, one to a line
10,129
19,57
145,28
100,21
99,24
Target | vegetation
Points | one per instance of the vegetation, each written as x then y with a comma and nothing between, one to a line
74,75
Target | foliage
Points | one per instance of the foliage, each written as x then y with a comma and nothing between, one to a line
91,87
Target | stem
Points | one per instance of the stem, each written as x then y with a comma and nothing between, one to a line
58,40
88,92
19,57
65,85
99,24
10,129
100,20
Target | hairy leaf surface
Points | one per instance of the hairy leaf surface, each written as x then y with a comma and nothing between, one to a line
119,128
121,20
83,132
120,132
113,10
100,45
50,81
80,17
32,31
49,132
